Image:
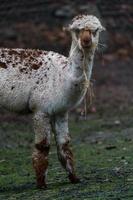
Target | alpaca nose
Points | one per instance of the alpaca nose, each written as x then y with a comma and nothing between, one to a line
86,40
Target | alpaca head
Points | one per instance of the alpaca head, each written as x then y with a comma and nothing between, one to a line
85,31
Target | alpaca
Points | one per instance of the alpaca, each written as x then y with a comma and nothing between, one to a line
49,85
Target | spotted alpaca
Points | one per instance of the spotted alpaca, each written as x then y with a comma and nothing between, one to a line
49,85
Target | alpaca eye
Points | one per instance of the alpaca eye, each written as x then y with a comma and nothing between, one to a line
95,32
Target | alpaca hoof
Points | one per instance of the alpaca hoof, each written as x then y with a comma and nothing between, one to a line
73,179
42,186
41,183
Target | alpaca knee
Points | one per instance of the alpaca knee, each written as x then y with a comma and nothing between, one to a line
63,139
43,146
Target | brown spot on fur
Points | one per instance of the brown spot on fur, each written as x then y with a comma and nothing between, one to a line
35,66
29,57
12,87
43,146
22,69
3,65
64,66
37,82
40,164
2,55
8,61
36,53
25,54
40,63
13,52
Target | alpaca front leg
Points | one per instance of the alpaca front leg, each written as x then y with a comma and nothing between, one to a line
42,144
65,154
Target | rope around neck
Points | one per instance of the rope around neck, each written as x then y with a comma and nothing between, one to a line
88,88
87,85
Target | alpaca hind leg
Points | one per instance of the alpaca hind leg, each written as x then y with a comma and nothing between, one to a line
42,144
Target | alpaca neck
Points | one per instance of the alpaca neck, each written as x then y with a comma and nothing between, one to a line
80,61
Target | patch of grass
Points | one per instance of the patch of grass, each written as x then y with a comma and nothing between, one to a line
106,172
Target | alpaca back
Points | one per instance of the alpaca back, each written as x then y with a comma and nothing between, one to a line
26,73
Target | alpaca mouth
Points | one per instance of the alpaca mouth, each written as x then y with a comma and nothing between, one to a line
86,46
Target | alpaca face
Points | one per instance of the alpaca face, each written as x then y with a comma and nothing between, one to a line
87,38
85,31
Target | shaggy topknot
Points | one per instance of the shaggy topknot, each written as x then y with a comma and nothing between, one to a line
82,21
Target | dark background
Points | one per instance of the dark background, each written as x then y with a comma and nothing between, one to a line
38,24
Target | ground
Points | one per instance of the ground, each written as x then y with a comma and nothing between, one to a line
102,145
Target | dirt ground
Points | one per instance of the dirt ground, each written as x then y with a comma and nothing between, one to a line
103,143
